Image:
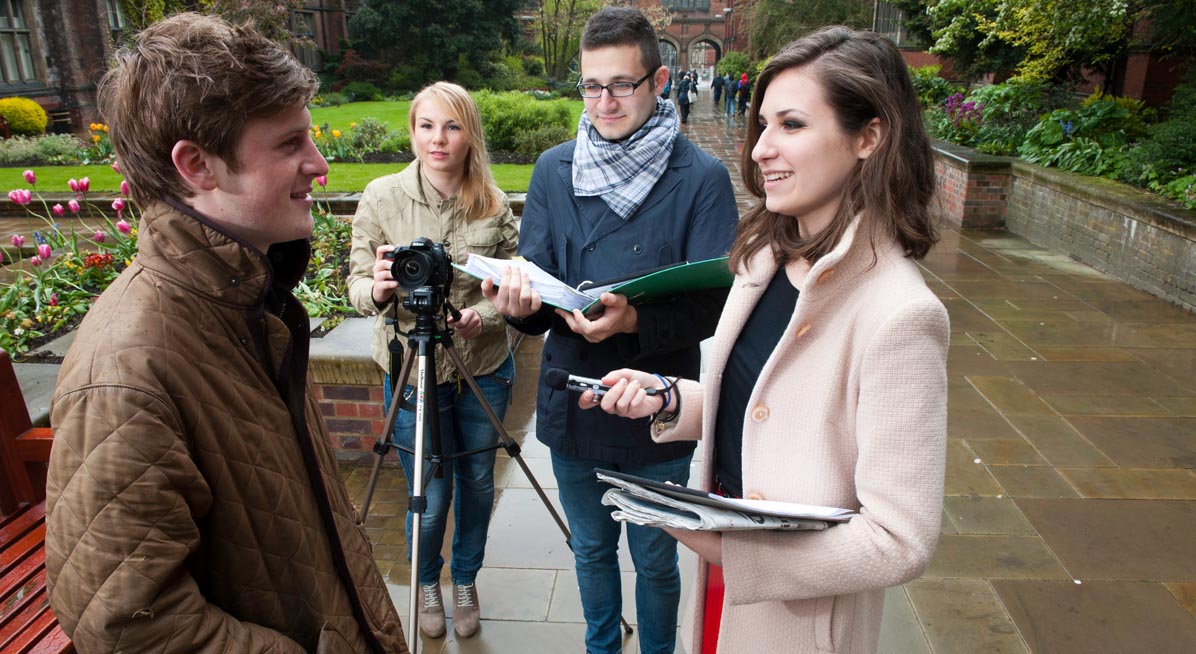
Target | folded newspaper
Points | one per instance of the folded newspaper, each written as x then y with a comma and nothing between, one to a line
637,504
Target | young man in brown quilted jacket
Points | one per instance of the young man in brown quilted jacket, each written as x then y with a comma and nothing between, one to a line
193,501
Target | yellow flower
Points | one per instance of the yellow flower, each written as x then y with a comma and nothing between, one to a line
104,127
95,138
352,125
336,133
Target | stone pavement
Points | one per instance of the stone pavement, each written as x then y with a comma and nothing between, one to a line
1070,511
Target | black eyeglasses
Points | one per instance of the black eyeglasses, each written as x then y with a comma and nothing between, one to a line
615,89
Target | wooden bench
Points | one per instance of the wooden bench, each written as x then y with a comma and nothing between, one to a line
27,625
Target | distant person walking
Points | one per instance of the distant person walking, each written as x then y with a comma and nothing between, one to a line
745,93
729,100
716,85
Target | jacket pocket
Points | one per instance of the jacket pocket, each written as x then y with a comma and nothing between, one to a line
824,611
332,642
483,239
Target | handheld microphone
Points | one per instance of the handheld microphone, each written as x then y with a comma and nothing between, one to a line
561,380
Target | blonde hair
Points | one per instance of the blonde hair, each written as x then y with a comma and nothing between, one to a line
479,195
198,78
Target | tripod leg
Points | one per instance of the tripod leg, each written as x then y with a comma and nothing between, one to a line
383,445
512,448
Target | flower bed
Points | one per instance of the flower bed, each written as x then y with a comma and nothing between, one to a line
56,274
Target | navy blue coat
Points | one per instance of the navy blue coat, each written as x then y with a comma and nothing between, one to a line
690,215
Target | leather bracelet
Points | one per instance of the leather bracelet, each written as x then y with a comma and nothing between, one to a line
656,418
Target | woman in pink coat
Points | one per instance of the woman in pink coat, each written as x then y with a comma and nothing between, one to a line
826,382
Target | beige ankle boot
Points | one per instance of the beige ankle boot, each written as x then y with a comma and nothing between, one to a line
431,611
465,610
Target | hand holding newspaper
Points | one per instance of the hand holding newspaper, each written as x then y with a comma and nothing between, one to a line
637,504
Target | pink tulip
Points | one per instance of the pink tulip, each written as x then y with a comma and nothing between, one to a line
35,261
322,180
44,252
118,205
58,209
30,177
116,167
21,196
124,187
54,299
73,205
74,184
84,184
124,226
99,236
17,240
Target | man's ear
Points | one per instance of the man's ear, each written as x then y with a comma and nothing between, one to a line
660,77
870,138
195,165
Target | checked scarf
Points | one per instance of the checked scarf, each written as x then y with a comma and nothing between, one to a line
624,172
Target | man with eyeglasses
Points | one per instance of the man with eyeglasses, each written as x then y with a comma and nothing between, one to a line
629,194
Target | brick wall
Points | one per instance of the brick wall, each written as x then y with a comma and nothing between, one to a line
1123,232
352,413
972,187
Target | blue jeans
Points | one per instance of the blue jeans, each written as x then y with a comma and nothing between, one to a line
463,426
729,104
595,551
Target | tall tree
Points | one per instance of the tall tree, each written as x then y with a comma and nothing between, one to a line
435,35
773,23
271,17
561,22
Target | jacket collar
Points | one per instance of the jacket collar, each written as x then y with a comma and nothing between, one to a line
415,185
185,245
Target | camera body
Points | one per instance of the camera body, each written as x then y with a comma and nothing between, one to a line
423,263
425,270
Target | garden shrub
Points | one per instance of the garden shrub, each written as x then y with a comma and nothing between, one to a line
24,116
1165,159
361,92
330,99
48,148
369,134
398,141
405,77
536,141
507,115
1091,140
932,90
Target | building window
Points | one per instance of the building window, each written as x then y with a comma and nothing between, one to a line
686,5
890,23
16,43
116,19
303,26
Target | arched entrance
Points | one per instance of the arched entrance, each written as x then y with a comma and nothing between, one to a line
668,56
703,55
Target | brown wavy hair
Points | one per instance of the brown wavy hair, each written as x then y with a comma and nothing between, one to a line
863,77
479,195
198,78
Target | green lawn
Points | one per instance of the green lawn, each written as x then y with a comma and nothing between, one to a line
343,177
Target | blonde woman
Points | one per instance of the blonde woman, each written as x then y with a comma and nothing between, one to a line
447,195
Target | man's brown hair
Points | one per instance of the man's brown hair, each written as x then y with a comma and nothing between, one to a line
198,78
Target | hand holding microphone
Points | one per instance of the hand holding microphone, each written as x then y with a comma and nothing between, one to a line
628,393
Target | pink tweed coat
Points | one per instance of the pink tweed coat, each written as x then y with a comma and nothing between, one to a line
850,410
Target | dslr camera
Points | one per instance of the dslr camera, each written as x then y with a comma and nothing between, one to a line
425,270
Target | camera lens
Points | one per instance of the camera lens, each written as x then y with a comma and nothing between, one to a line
411,269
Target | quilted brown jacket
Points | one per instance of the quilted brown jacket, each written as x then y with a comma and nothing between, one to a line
193,502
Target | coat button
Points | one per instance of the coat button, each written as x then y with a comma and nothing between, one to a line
801,331
826,274
755,495
637,248
590,248
234,281
760,413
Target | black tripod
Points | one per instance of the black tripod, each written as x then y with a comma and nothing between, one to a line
421,342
